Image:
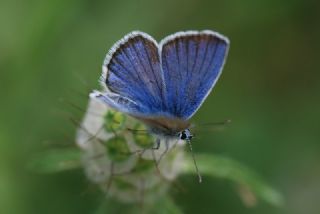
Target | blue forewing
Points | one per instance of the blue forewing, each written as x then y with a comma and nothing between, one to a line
191,63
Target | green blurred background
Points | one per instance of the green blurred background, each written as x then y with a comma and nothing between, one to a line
51,54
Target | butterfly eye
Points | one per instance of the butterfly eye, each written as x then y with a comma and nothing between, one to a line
183,135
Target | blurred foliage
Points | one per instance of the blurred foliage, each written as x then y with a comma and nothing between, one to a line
60,160
51,54
164,205
226,168
56,160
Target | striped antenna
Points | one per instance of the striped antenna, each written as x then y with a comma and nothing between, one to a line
194,160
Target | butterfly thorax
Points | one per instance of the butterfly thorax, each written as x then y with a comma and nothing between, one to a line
167,127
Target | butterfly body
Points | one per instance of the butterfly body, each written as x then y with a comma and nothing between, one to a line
163,84
166,127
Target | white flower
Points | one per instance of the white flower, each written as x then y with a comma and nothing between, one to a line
118,160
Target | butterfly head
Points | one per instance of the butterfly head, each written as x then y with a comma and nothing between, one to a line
185,135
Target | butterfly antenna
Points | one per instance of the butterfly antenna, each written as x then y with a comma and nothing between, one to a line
212,124
194,161
222,123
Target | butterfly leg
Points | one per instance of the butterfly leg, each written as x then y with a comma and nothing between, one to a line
165,151
157,144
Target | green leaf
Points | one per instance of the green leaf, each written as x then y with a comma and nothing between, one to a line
56,160
226,168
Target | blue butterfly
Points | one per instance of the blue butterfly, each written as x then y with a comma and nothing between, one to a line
163,84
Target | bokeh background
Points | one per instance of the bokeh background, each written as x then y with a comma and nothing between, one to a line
51,54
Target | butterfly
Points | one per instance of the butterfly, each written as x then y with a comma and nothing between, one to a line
163,84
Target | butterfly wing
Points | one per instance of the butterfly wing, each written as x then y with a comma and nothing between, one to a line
192,62
132,76
170,80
